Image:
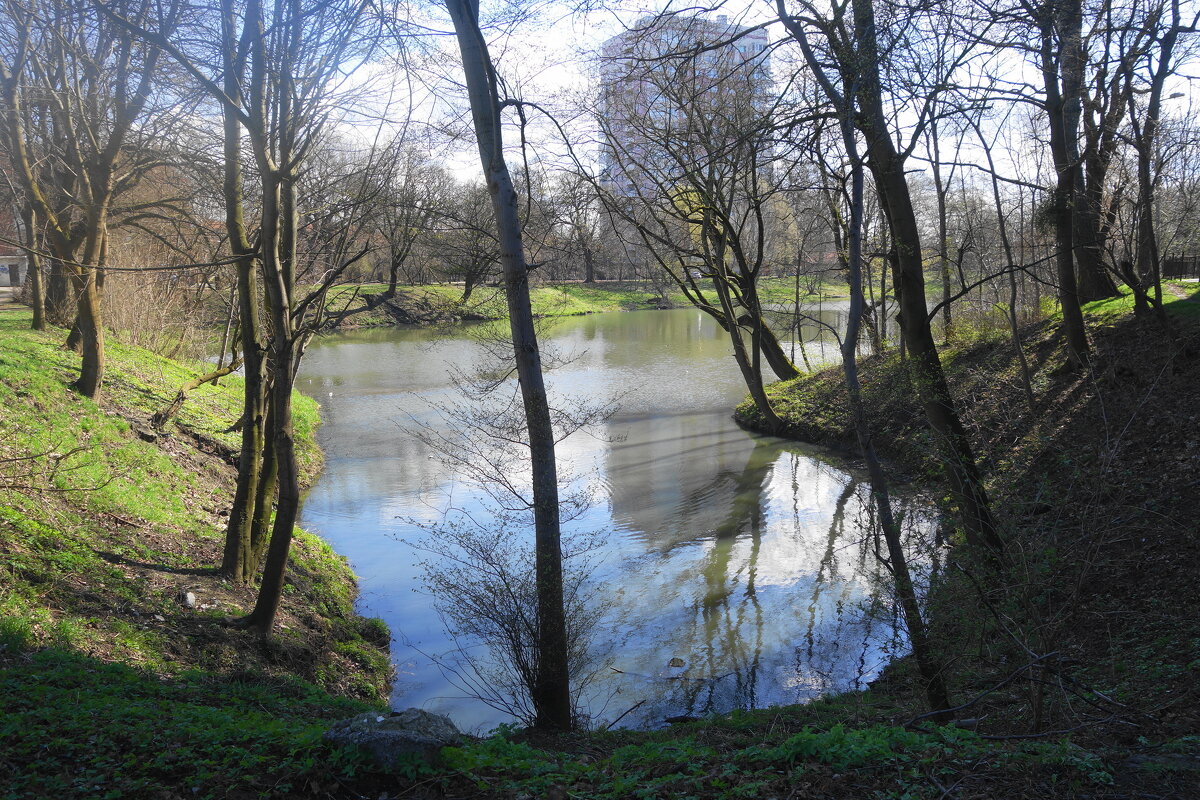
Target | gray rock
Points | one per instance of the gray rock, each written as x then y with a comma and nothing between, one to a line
188,599
387,737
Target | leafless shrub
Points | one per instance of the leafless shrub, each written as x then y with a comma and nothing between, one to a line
483,585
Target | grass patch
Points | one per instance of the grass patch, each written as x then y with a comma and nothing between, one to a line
110,686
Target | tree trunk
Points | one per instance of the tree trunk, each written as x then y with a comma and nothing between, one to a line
772,351
932,671
887,168
589,266
1093,282
239,560
58,305
551,692
394,265
89,324
1062,111
270,591
165,415
37,295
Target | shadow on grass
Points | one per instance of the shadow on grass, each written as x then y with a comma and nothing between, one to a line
75,726
114,558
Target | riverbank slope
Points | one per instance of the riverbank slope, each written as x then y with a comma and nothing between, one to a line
114,683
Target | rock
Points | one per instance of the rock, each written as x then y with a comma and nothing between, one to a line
388,737
188,599
146,434
676,662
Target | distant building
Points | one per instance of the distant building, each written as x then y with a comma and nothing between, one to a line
12,258
667,82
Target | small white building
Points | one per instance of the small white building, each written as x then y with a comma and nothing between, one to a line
12,270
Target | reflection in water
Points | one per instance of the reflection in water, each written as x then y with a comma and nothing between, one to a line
736,570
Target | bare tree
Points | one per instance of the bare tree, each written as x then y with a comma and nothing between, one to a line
695,171
551,698
78,90
848,34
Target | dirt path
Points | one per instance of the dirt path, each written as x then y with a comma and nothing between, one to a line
1183,294
6,298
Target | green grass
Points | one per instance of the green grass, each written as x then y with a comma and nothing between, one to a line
109,686
765,753
74,726
1187,307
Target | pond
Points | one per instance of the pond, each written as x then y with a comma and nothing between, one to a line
729,570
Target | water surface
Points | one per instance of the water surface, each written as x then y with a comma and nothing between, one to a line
733,570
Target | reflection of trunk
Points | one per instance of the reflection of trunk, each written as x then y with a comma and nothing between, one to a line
745,516
837,526
927,662
551,690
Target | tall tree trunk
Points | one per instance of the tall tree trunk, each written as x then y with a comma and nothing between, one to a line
551,692
270,591
264,503
1065,21
239,560
1093,281
393,277
930,667
773,352
1145,139
887,168
943,229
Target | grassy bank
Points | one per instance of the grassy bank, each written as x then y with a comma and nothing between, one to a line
111,688
1094,484
367,306
110,685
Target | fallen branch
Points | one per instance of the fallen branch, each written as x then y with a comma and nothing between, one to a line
161,418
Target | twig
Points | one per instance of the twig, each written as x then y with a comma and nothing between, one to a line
631,709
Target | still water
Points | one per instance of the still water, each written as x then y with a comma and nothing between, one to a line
732,571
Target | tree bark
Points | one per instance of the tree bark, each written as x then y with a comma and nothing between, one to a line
930,667
887,168
239,560
165,415
1065,21
551,692
37,294
89,324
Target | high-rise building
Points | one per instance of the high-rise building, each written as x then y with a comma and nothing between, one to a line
676,89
